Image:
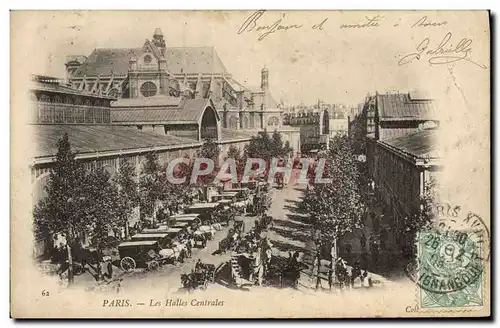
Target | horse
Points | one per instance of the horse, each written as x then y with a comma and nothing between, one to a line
191,281
186,282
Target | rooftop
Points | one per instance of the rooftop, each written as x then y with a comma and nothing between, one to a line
403,106
230,134
188,111
420,144
52,84
180,60
158,100
100,138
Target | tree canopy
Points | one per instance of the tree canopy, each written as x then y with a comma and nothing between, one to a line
337,207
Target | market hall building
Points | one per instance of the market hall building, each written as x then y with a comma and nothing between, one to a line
57,109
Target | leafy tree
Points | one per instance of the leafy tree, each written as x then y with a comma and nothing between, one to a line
337,207
174,195
128,193
78,203
264,147
235,153
278,147
210,149
100,205
150,185
59,212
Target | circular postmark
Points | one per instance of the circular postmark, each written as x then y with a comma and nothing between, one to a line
451,259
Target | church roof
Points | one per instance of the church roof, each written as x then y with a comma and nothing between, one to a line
107,61
189,60
100,138
189,111
271,103
193,60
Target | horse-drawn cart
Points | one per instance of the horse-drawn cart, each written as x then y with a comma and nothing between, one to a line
199,238
199,278
139,253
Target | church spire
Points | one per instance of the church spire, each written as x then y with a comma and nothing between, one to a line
159,41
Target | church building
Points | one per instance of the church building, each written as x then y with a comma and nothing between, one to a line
155,87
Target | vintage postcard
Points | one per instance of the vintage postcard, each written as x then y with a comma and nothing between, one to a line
250,164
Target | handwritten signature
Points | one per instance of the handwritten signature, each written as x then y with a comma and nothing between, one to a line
251,24
444,53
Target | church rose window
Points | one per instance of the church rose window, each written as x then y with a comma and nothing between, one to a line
148,89
147,59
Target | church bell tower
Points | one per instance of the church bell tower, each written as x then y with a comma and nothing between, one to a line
159,41
264,79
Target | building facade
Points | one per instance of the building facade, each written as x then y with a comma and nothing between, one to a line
402,159
314,129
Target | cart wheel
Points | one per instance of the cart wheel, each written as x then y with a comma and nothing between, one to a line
127,264
153,265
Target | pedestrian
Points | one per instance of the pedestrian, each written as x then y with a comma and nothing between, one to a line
330,277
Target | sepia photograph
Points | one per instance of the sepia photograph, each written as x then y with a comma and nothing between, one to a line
250,164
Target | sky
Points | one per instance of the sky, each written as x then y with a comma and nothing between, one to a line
336,65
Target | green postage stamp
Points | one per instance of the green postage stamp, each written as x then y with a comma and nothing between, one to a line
452,264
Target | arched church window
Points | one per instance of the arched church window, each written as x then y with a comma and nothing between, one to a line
148,89
147,59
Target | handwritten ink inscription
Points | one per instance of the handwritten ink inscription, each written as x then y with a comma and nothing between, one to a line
435,53
426,22
253,24
369,22
445,52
